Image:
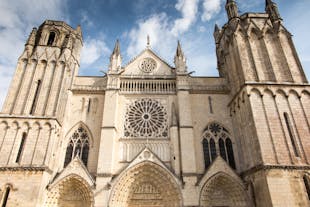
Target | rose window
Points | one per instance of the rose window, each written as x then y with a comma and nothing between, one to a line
146,118
148,65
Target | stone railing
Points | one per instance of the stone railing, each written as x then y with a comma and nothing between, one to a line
130,148
148,86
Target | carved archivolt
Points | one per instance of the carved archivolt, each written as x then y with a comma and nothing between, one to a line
146,184
223,190
72,191
148,65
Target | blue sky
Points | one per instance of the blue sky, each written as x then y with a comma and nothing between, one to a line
166,21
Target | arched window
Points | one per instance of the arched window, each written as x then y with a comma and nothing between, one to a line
35,98
222,149
290,132
217,135
307,185
78,146
206,153
69,152
21,147
51,38
213,149
230,153
5,196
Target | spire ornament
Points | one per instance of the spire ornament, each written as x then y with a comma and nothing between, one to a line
272,9
115,58
231,9
32,37
180,60
148,44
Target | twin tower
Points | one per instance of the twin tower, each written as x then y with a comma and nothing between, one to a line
150,134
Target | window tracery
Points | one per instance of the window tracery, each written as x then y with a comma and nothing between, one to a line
148,65
146,118
217,135
78,146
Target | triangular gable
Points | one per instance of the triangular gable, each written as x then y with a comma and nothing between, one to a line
146,155
135,68
74,168
218,166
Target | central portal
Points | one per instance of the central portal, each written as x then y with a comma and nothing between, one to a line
146,185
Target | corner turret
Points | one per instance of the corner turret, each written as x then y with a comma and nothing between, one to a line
272,9
231,9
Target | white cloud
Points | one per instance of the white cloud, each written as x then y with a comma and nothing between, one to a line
16,20
162,31
86,21
92,50
210,9
189,9
201,29
157,27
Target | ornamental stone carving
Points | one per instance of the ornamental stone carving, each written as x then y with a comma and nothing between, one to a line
148,65
146,118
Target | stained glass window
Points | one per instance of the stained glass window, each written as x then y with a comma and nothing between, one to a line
78,146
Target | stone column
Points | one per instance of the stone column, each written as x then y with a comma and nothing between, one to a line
187,146
107,140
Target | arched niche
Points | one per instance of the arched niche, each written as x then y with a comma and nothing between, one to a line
223,190
145,184
72,191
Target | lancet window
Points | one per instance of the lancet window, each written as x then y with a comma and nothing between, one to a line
21,147
216,141
78,146
36,96
290,132
307,185
51,38
5,196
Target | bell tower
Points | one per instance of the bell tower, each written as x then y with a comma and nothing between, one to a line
45,71
256,47
269,93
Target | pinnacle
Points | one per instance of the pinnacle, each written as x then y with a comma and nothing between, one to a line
117,49
79,30
179,50
230,1
216,28
148,42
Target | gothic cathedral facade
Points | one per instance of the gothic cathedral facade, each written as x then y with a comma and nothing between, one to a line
148,134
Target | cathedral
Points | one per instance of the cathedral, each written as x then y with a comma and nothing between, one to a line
148,134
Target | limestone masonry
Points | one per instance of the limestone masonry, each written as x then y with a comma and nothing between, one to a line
148,134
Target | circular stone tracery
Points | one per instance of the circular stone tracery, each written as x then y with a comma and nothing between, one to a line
146,118
148,65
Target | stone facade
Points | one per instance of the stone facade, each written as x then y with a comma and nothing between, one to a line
149,134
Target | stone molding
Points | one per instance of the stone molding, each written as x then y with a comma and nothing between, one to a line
273,167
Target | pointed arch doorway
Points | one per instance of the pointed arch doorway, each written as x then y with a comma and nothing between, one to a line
146,185
72,191
223,190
